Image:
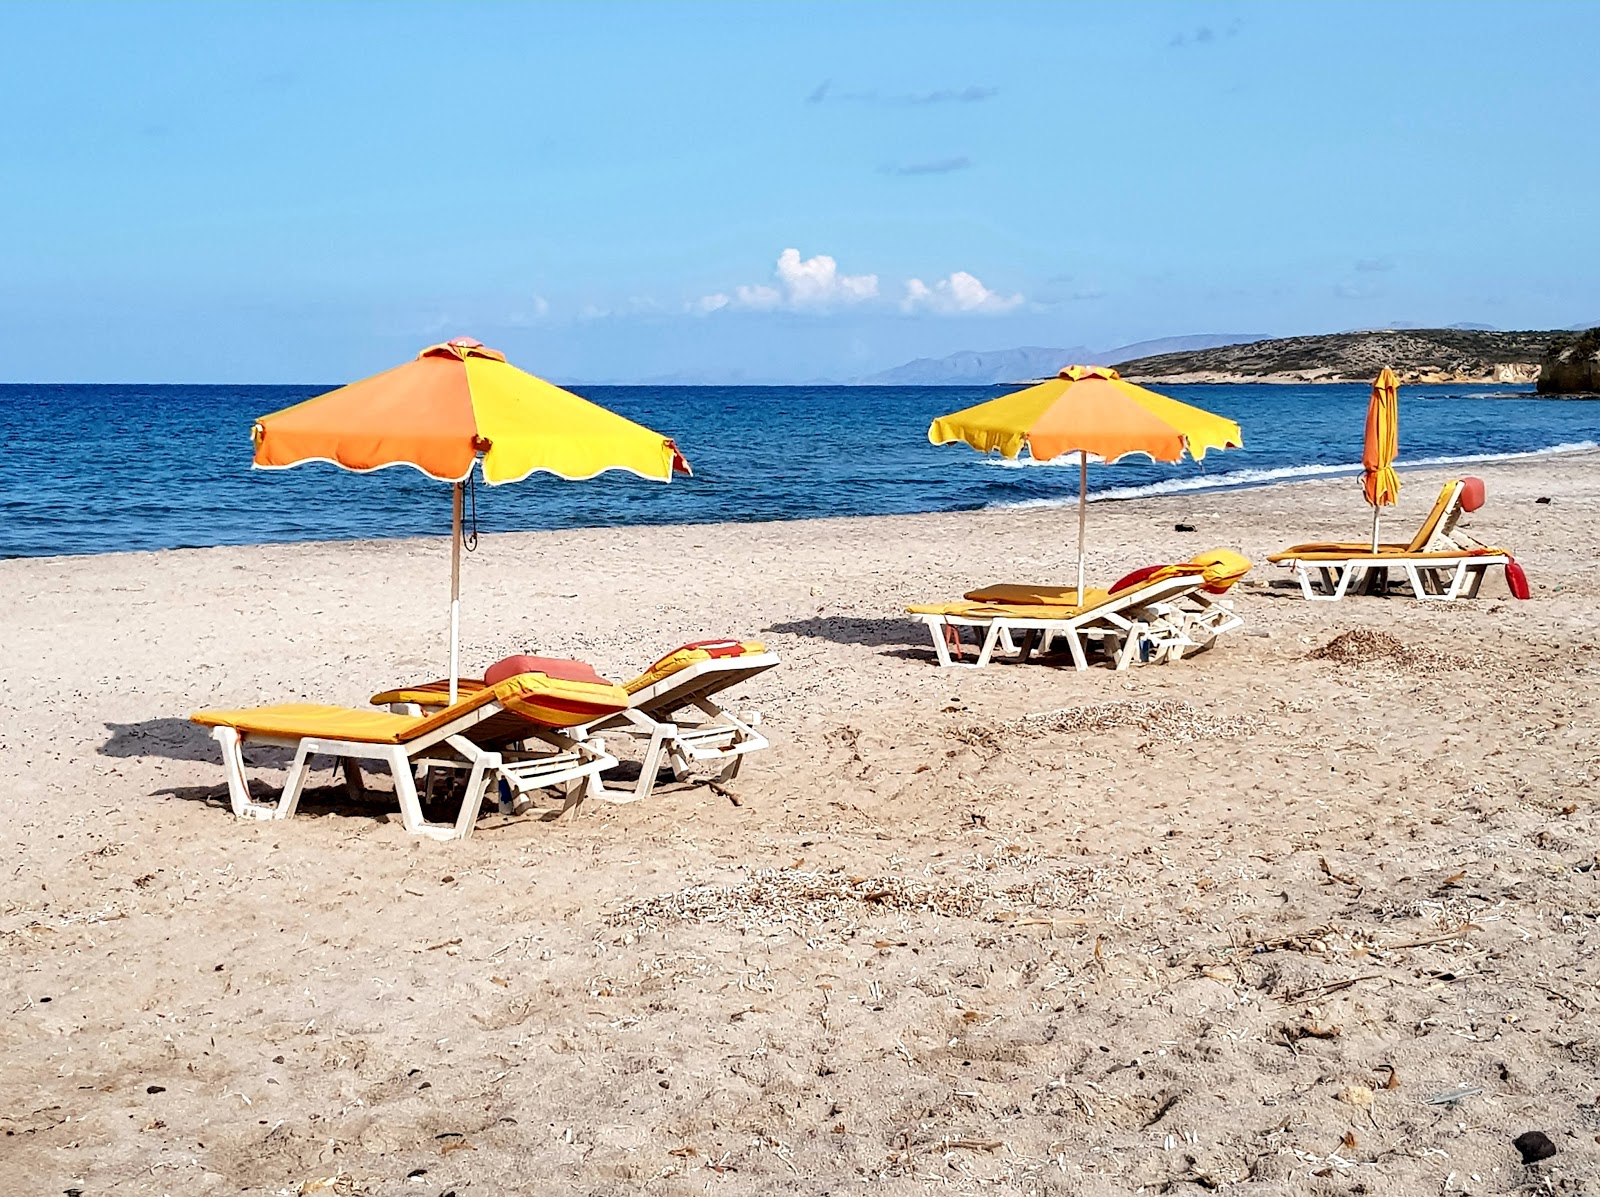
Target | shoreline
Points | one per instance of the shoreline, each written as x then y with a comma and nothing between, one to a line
1172,488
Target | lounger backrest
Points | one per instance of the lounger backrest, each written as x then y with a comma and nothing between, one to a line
498,713
1434,535
698,680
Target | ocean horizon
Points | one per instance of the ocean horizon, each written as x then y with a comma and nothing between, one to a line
93,468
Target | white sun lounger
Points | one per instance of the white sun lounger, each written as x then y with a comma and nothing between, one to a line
1147,621
476,735
1441,563
687,679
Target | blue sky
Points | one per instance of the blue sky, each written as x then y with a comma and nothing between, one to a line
286,192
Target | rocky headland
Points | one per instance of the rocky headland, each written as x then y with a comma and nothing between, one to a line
1571,365
1432,355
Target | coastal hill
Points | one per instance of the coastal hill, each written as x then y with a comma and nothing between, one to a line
1416,355
976,368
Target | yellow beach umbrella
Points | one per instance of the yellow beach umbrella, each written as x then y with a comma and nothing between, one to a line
456,405
1093,412
1379,482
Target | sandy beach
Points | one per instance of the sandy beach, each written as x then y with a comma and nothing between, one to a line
1257,921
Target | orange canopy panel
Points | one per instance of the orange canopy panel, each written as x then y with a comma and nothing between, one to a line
455,401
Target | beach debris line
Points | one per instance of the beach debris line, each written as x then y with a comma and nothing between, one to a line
769,898
1166,720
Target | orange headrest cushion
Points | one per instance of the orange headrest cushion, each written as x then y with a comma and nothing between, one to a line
1472,494
558,668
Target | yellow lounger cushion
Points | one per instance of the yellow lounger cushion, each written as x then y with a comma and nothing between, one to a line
1384,553
1220,569
433,694
690,654
297,720
1341,550
970,610
549,702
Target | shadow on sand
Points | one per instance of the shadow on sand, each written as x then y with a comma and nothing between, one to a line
877,632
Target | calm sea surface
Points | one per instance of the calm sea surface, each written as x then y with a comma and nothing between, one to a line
92,469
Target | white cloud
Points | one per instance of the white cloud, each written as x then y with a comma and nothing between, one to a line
802,284
960,293
758,297
816,282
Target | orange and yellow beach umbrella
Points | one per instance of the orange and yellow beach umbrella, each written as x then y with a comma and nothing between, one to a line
1379,482
1093,412
456,405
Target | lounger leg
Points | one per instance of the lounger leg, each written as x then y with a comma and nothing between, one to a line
989,641
405,790
232,746
1126,646
1477,581
1457,583
1306,588
477,784
354,784
295,783
1075,646
941,644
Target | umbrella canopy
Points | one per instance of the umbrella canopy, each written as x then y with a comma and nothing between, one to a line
457,404
1379,482
454,402
1093,412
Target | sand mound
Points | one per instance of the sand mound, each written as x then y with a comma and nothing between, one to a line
1365,646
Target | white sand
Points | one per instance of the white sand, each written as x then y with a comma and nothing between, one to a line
1096,960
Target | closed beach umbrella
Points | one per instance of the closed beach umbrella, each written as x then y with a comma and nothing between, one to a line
456,405
1378,480
1090,411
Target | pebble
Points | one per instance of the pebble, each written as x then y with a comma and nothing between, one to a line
1534,1146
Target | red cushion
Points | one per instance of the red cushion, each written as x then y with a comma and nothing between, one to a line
1517,581
554,667
1137,576
1472,494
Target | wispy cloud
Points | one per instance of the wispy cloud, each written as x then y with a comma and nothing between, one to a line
1375,265
799,284
959,294
825,93
1203,35
1356,290
538,308
935,166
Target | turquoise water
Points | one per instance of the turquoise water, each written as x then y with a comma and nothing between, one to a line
91,469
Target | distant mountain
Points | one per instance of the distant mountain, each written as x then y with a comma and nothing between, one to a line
725,378
1416,355
975,368
1472,327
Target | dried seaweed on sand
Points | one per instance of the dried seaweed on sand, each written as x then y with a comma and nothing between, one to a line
1166,720
770,898
1366,646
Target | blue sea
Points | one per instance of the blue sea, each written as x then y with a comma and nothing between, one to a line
93,469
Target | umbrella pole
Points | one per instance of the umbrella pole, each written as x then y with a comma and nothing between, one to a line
1083,502
1375,511
455,591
